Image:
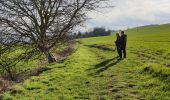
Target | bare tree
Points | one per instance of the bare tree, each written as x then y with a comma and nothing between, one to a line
42,24
11,55
8,62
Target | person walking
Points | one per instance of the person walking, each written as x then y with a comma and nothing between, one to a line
123,40
118,45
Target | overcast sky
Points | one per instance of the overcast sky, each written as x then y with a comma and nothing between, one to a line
130,13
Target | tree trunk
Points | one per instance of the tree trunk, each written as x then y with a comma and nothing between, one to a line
49,56
11,76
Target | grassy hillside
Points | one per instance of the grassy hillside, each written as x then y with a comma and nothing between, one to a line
155,33
93,71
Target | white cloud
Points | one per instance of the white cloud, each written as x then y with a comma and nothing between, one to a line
130,13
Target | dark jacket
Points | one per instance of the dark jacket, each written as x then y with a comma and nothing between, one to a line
123,40
118,42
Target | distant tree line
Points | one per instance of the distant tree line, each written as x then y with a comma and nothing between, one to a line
98,31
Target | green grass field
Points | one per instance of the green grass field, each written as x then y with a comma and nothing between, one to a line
94,73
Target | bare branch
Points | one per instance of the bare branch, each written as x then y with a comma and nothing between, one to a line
42,23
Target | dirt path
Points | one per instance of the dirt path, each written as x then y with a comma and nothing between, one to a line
90,73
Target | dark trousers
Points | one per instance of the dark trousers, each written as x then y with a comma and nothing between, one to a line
119,51
123,49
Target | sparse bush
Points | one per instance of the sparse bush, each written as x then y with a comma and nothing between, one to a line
8,62
10,58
